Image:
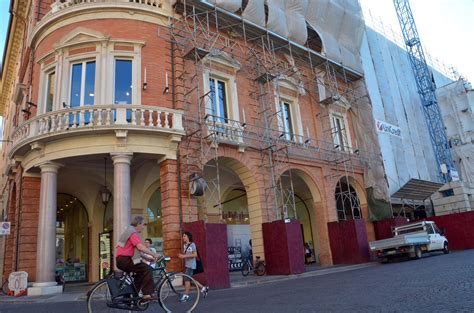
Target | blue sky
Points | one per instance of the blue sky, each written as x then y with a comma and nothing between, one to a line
445,28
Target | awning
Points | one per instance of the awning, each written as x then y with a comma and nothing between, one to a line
417,189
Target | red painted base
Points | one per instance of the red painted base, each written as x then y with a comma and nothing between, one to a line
383,228
458,229
349,244
211,242
283,243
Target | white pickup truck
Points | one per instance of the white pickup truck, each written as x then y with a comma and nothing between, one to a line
412,240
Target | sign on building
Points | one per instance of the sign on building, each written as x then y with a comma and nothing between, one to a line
5,228
386,128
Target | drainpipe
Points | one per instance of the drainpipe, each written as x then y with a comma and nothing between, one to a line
178,154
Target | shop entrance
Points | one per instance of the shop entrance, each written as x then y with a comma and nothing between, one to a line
72,238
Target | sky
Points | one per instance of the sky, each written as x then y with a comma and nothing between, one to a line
445,27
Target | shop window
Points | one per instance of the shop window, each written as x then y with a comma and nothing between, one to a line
72,238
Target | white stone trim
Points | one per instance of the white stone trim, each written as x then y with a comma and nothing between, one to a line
297,125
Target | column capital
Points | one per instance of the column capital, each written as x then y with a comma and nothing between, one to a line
50,167
121,157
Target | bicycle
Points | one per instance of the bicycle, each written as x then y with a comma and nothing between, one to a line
258,269
113,294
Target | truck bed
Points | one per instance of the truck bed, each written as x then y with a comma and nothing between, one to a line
400,241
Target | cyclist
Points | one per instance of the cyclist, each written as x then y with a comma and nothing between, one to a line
128,257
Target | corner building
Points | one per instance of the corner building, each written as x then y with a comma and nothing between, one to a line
179,112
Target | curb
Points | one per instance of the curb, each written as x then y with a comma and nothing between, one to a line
271,279
80,296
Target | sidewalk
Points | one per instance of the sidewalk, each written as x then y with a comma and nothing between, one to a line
77,292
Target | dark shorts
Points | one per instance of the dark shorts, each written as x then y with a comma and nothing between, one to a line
189,272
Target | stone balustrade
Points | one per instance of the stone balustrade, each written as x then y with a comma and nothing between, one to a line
97,117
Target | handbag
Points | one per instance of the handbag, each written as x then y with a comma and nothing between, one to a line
199,265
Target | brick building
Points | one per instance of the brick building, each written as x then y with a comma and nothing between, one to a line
119,108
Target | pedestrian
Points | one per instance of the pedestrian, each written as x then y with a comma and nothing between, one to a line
307,253
147,258
128,257
189,256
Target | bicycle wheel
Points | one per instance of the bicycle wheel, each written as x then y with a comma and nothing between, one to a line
245,269
99,297
171,293
260,269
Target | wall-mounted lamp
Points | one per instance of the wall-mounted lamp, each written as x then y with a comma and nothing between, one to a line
27,111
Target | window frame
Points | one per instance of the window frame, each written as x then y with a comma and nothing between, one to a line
232,103
114,76
346,145
295,117
83,62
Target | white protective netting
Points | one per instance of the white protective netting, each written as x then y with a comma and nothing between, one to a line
255,12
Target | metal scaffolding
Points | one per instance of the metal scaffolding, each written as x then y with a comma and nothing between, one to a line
198,33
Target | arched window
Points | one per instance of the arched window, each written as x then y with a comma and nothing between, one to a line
347,201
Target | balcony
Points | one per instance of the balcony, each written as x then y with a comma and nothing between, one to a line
118,119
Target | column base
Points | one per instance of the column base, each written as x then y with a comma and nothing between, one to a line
41,289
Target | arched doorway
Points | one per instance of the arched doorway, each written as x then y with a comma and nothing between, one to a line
347,201
72,238
225,201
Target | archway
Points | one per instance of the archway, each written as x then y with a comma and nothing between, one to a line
347,201
72,238
306,197
226,200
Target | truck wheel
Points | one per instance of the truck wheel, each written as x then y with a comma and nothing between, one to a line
445,248
417,253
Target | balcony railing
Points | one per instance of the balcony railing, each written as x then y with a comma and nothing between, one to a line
63,4
97,117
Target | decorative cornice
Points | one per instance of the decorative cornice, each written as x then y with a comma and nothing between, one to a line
12,52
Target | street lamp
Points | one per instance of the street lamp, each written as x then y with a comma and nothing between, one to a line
105,193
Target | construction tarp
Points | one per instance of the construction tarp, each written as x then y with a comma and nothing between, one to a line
295,20
255,12
339,23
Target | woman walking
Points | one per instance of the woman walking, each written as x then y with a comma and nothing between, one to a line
189,256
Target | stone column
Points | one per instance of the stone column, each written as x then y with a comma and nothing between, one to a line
46,249
121,193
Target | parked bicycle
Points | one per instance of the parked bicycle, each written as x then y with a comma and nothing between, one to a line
258,269
119,293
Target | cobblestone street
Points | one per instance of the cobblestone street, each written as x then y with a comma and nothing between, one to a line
436,283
